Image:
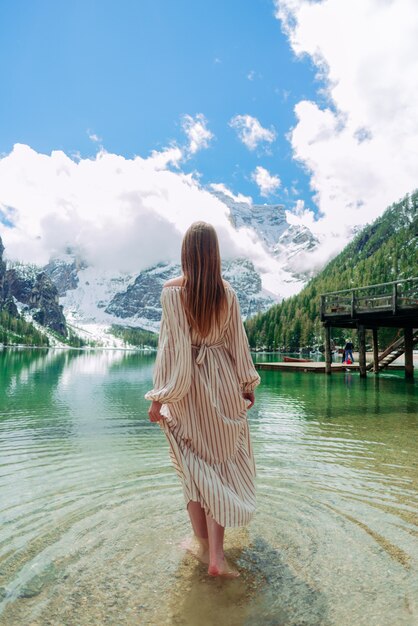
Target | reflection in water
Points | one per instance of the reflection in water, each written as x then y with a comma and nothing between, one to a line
93,516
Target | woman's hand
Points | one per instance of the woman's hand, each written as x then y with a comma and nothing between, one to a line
154,412
249,396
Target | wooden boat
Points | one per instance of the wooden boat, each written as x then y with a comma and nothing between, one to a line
291,359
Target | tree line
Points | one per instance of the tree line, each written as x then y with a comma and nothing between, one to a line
383,251
135,336
15,330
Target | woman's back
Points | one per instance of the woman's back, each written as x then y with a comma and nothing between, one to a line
217,332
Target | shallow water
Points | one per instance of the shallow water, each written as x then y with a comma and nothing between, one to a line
92,513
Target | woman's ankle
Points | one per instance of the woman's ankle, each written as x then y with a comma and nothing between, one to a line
217,556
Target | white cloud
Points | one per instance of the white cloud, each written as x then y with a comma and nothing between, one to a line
251,75
197,132
301,216
360,150
198,136
267,183
250,131
169,156
328,247
121,214
93,137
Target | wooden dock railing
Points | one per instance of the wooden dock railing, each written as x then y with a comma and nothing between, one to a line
393,304
392,297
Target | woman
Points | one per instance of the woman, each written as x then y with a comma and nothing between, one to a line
203,376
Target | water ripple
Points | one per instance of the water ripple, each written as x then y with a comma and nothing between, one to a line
92,512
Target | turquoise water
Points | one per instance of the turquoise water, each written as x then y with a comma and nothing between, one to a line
92,514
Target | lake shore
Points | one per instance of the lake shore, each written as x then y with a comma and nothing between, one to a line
81,349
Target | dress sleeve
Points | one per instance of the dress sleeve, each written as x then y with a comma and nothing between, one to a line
173,364
237,344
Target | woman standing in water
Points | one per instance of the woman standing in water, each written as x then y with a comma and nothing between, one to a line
203,378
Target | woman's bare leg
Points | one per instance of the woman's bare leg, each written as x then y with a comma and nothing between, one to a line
198,519
200,529
218,565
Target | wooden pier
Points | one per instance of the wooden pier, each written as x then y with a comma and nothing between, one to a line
393,304
314,366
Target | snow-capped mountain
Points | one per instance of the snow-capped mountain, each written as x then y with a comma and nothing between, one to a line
27,289
295,239
293,244
93,299
267,220
285,241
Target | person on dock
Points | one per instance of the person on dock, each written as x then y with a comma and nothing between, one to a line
348,351
203,377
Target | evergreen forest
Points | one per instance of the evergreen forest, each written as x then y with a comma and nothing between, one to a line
135,336
383,251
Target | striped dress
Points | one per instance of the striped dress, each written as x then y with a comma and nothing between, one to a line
200,382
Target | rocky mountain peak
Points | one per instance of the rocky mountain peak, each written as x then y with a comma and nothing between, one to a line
33,288
268,220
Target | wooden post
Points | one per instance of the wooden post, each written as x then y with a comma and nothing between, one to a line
394,298
353,304
409,361
375,352
327,349
362,350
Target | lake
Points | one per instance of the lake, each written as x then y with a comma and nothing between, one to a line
92,513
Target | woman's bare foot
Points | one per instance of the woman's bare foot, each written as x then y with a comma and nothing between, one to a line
223,568
198,547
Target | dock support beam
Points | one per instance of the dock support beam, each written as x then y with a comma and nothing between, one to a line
362,350
375,351
327,350
409,361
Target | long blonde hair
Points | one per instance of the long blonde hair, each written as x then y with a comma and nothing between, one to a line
204,296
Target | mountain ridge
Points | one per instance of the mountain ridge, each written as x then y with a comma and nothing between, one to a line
96,301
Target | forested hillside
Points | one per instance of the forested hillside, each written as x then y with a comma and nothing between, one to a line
135,336
383,251
15,330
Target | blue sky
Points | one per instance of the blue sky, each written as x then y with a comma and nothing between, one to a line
183,79
129,71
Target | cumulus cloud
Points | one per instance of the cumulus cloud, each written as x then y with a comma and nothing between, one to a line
250,131
361,149
301,216
169,156
198,136
197,132
119,214
267,183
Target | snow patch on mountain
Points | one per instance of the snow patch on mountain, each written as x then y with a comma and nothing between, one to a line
285,241
101,298
95,299
266,220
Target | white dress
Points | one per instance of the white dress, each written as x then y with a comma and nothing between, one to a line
200,382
